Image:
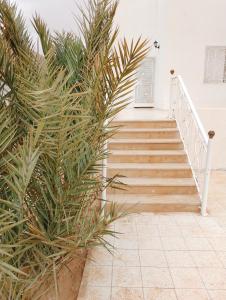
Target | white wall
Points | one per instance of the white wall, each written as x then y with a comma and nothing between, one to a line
184,28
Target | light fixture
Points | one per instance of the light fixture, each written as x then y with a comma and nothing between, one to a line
156,44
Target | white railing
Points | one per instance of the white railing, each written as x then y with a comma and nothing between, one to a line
197,143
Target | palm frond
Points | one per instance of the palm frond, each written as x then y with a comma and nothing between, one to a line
56,111
43,33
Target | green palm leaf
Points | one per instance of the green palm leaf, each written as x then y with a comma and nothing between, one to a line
55,111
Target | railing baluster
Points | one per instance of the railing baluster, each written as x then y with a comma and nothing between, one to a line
196,142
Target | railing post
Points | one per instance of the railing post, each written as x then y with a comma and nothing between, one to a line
171,114
207,174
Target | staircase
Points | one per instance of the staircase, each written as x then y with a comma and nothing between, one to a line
158,177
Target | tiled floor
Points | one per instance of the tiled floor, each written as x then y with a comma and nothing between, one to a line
176,256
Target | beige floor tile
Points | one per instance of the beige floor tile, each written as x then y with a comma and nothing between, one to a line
216,208
149,243
152,258
126,242
100,256
173,243
224,227
222,256
185,219
213,278
187,294
126,277
159,294
94,293
221,220
126,228
217,295
110,240
218,243
131,218
155,219
205,259
147,229
127,293
206,221
129,258
197,243
179,259
213,231
169,230
167,219
191,231
146,218
187,278
156,277
97,276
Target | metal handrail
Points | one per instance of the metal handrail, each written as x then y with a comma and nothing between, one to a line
198,145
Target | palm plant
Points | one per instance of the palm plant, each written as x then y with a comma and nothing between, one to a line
55,112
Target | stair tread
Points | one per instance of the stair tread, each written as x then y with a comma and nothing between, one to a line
156,199
148,130
144,121
146,141
158,181
152,166
147,152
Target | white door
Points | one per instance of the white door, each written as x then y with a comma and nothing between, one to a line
144,90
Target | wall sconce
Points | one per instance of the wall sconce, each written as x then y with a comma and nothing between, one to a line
156,44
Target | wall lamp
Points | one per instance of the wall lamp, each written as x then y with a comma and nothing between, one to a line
156,44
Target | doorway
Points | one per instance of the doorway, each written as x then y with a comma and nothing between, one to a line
144,90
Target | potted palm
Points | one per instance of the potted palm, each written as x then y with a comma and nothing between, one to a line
56,106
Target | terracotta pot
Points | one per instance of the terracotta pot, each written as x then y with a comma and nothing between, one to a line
68,280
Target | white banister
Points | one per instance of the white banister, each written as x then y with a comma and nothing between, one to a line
198,145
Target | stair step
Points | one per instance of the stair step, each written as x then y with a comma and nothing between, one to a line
151,154
147,133
152,203
145,144
147,156
146,124
173,170
156,186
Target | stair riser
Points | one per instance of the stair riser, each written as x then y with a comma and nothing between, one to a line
156,190
146,124
163,208
145,146
147,135
151,173
147,159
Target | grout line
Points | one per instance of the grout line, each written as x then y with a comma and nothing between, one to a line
198,269
112,266
191,255
163,251
138,250
208,294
